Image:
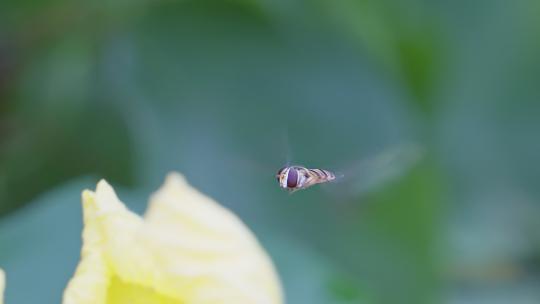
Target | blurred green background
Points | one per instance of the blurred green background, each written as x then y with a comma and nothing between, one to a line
225,91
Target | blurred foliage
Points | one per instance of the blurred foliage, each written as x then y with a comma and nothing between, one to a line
226,91
41,152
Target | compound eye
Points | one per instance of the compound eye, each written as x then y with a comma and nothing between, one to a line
292,178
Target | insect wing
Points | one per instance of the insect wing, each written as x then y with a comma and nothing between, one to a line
372,173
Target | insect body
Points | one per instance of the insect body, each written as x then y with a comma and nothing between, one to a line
293,178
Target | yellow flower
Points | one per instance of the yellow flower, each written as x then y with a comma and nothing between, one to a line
2,285
186,249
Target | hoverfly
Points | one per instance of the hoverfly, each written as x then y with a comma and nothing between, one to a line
378,169
293,178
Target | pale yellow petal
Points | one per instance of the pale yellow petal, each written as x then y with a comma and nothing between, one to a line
115,266
188,250
209,248
91,279
2,285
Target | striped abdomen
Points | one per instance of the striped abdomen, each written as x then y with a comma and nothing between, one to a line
321,175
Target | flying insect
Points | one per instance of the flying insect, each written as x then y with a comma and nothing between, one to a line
294,178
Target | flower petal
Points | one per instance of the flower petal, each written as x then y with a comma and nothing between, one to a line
113,266
91,279
2,285
210,247
188,250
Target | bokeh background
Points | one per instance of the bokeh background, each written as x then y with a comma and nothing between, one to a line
226,91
